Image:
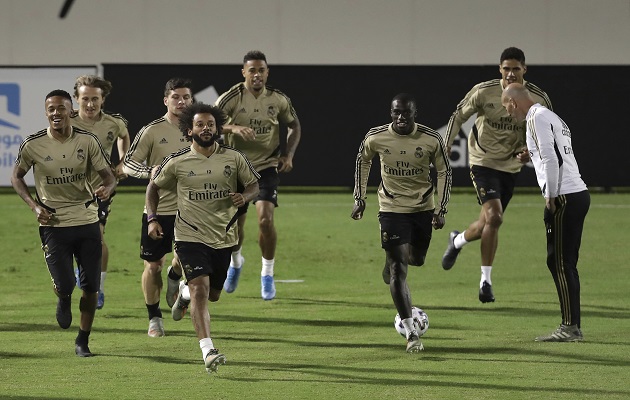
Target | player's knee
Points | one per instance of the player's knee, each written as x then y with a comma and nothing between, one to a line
266,224
153,267
64,285
494,219
416,260
398,271
64,289
88,304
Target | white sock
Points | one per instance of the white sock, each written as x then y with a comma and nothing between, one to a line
103,276
267,267
486,272
237,259
460,241
409,325
206,345
185,291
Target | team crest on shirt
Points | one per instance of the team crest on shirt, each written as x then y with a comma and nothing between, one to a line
110,136
80,155
419,153
227,172
271,111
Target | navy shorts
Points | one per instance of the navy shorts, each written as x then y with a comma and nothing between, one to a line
198,259
62,244
413,228
493,184
154,250
268,188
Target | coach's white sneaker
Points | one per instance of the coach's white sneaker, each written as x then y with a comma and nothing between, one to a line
564,333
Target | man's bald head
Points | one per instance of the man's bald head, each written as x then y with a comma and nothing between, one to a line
517,100
516,91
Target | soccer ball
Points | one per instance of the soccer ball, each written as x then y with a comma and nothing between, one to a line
420,318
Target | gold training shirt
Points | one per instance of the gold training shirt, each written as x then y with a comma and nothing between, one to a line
495,137
152,145
206,213
406,186
60,170
107,129
263,115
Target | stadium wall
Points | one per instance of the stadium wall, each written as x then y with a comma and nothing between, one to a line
345,101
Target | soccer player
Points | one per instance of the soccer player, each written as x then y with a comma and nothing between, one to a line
496,153
90,92
205,177
567,201
407,209
151,145
62,157
254,112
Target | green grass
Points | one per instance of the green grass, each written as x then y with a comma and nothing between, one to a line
331,336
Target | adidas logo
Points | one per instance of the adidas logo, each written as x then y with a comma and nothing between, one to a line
490,105
387,151
191,173
49,158
242,110
163,141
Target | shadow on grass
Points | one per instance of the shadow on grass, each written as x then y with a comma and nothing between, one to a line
437,352
322,302
10,354
31,397
328,374
591,310
595,310
542,356
97,329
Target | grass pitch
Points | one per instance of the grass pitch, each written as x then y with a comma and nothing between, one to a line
330,334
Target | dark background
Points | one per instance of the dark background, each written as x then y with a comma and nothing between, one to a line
337,105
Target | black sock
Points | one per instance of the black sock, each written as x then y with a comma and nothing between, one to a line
82,337
154,310
172,275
